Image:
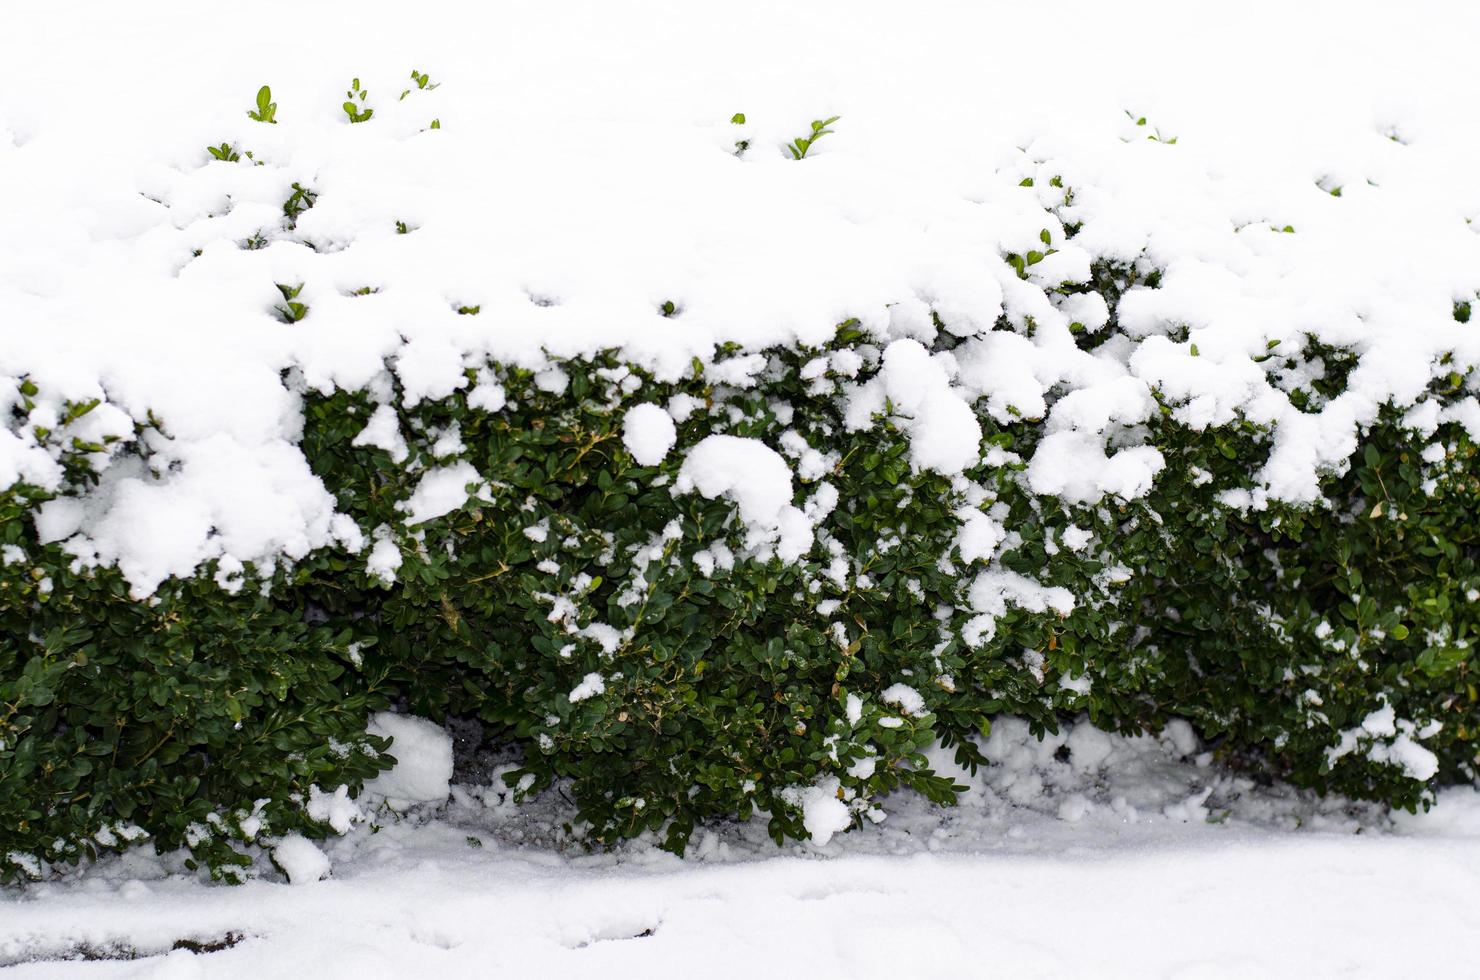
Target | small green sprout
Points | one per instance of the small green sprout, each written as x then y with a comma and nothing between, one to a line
266,111
291,311
298,202
469,310
741,145
1022,262
225,152
402,228
423,82
357,113
802,144
1155,134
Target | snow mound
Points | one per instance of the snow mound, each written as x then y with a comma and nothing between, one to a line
300,859
423,768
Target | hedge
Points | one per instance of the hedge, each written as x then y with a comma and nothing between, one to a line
640,632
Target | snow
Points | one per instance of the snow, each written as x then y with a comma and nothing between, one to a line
648,433
423,769
757,479
590,686
300,859
1386,738
440,491
944,433
824,813
906,698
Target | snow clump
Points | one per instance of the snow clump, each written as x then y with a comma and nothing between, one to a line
423,769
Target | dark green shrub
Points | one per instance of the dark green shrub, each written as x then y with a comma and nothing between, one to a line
200,719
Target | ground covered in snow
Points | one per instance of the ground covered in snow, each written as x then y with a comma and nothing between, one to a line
1081,855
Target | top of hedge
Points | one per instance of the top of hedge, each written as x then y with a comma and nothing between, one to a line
1311,230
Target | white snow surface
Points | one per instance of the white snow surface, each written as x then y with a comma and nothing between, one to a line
1085,854
583,175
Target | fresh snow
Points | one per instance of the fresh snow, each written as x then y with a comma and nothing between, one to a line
648,433
300,859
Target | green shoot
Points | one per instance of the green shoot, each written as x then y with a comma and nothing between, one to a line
266,111
357,113
802,144
224,152
423,82
291,311
1155,134
741,145
298,202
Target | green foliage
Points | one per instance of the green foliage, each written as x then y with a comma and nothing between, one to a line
224,152
290,310
202,719
266,111
741,145
354,105
298,202
422,80
802,144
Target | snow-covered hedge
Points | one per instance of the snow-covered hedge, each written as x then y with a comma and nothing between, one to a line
751,577
764,586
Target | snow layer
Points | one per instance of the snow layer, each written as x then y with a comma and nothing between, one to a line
575,187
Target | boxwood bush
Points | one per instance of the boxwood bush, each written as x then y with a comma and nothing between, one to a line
729,681
646,642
